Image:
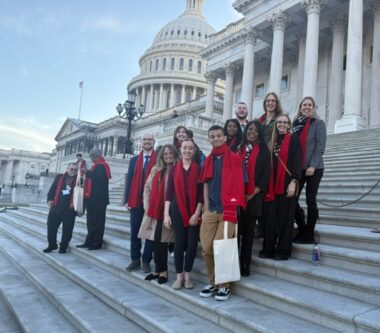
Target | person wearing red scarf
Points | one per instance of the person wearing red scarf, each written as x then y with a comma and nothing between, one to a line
96,197
234,134
154,204
312,134
139,170
255,155
60,201
223,178
183,205
281,197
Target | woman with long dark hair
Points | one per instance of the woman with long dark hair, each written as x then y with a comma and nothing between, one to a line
180,134
183,208
234,134
281,197
312,134
154,203
256,158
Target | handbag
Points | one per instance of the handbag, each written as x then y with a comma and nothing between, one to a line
78,195
147,228
226,258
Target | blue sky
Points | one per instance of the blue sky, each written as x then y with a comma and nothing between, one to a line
49,46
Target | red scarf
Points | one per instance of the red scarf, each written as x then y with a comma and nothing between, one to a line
231,141
59,189
88,181
250,187
157,196
179,188
232,194
278,186
303,140
262,118
134,199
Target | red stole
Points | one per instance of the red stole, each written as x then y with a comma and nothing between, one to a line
157,196
250,187
232,194
179,188
278,186
262,118
303,140
59,189
134,199
88,181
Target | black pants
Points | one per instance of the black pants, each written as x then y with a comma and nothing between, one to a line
246,231
312,186
278,235
186,241
54,221
96,219
160,250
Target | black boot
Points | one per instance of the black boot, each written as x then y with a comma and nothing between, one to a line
301,224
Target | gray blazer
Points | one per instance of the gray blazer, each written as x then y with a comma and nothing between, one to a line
316,143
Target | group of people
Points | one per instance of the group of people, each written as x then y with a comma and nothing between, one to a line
252,178
94,182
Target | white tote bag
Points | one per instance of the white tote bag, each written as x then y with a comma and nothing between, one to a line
78,195
226,258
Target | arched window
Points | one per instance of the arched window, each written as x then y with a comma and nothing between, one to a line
172,64
199,69
157,63
181,61
164,65
178,32
190,65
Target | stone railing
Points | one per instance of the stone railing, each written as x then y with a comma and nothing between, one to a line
227,31
190,121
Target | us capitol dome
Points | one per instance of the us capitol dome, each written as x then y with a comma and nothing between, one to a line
172,71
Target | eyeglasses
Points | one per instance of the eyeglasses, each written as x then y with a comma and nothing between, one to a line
282,122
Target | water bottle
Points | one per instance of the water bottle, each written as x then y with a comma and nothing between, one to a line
316,254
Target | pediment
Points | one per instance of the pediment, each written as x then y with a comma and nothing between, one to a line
67,128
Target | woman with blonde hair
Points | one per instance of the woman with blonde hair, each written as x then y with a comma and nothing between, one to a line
312,134
154,202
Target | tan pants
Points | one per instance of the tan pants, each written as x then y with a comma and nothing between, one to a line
212,229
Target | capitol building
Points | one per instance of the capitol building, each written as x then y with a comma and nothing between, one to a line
329,49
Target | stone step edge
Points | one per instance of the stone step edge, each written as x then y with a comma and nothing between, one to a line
249,289
64,308
328,250
128,310
32,289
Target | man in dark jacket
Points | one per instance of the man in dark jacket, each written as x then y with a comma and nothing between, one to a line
96,199
59,199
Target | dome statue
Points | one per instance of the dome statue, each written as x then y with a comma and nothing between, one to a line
172,72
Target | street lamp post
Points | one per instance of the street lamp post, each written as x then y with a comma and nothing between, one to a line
129,112
27,176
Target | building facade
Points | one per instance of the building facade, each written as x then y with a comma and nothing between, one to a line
326,49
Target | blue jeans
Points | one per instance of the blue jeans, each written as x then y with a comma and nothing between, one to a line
137,215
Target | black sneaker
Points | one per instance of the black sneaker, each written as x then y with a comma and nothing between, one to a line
50,248
208,291
223,294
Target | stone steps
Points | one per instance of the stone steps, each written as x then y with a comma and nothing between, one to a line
325,278
8,323
237,315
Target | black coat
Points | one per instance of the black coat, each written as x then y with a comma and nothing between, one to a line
99,194
63,205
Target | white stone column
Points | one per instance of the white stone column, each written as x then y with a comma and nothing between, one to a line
211,80
172,97
352,119
375,83
194,93
248,69
301,66
161,98
279,21
150,103
143,94
336,73
228,95
313,9
183,94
